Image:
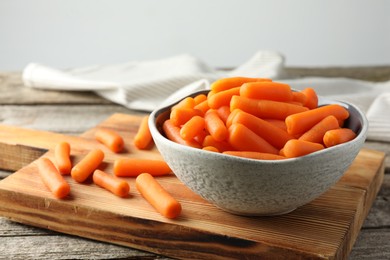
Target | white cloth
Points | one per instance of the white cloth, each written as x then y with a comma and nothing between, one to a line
146,85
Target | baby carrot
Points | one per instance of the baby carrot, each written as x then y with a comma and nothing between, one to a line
143,137
172,132
311,98
299,97
244,139
296,148
132,167
211,149
222,98
278,123
220,145
199,98
255,155
83,169
116,186
51,177
272,134
179,116
317,132
192,128
231,116
62,157
157,196
202,107
215,125
267,90
232,82
223,113
301,122
338,136
187,102
110,139
265,108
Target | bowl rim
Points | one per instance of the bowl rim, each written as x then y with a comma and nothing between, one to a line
321,100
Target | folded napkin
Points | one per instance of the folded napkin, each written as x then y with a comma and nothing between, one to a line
146,85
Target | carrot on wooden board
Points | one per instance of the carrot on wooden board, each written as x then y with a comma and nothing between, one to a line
132,167
267,90
143,137
222,98
255,155
232,82
62,157
215,126
157,196
265,108
301,122
272,134
317,132
192,128
115,185
338,136
311,98
179,116
172,132
111,139
297,148
52,178
83,169
244,139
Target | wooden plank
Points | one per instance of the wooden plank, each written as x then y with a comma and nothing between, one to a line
324,228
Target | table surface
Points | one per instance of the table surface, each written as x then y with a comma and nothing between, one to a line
63,111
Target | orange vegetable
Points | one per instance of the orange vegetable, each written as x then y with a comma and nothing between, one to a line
267,90
272,134
111,139
202,107
311,98
199,98
52,178
299,98
172,132
62,157
157,196
317,132
222,98
232,82
255,155
211,149
265,108
301,122
220,145
116,186
296,148
132,167
187,102
179,116
243,139
278,123
231,116
143,137
83,169
215,125
223,113
338,136
192,128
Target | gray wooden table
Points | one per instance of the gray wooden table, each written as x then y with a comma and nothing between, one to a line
74,112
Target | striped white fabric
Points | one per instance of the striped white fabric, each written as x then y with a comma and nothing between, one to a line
146,85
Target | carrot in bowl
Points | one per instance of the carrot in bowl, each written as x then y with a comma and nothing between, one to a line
52,178
111,139
132,167
157,196
338,136
317,132
192,128
296,148
215,125
62,157
115,185
83,169
232,82
267,90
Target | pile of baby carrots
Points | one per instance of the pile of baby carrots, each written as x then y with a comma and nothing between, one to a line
144,170
257,118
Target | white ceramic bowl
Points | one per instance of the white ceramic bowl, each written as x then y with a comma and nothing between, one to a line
259,187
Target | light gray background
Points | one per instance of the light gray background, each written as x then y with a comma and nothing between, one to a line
222,33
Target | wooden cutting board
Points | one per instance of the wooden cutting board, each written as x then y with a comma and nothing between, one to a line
326,228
